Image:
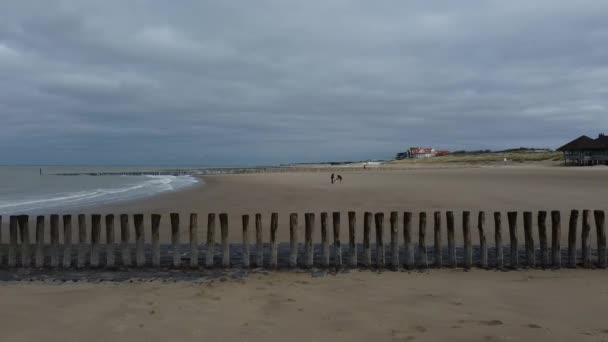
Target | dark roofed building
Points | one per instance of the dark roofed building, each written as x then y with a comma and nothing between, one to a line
586,151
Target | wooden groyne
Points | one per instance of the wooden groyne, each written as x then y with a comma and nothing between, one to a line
131,244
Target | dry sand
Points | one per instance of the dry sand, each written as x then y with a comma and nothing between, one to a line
473,188
361,306
567,305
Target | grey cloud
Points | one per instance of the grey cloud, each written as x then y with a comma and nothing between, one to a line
275,81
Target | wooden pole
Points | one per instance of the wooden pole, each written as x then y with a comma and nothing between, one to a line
556,249
529,240
352,244
379,219
225,245
466,233
422,240
512,218
82,241
601,237
193,240
394,240
367,246
67,241
585,240
293,240
125,237
498,240
451,243
209,256
110,241
483,244
407,240
95,239
337,244
437,239
140,238
245,249
155,239
39,252
175,239
309,222
14,241
26,258
274,223
54,241
542,238
572,228
259,241
324,241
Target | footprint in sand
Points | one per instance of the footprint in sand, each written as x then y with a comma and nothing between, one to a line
533,326
491,323
419,328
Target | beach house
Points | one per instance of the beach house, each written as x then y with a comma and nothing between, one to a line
586,151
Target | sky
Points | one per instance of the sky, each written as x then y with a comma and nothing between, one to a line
267,82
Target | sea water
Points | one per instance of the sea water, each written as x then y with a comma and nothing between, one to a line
23,189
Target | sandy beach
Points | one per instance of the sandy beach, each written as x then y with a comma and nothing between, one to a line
493,188
358,306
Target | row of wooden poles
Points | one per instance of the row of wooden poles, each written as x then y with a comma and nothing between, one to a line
20,241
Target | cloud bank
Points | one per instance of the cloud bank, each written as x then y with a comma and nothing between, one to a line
265,82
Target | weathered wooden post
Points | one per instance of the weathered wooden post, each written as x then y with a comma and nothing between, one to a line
125,237
422,240
512,218
466,234
379,219
274,224
407,241
542,238
140,253
352,244
175,239
324,240
585,240
309,222
572,228
67,241
54,252
337,244
556,249
110,241
451,243
601,237
82,241
498,240
437,239
483,244
245,248
394,240
26,258
293,240
95,238
14,241
210,254
259,241
39,253
225,245
367,246
529,239
155,239
193,240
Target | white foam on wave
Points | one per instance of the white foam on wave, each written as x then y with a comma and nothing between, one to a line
153,185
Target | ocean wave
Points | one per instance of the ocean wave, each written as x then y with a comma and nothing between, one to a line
151,185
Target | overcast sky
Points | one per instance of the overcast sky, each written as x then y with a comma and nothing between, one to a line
264,82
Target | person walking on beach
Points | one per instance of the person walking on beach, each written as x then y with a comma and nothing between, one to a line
340,179
332,178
